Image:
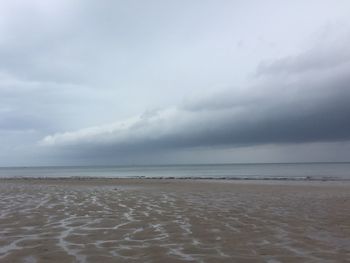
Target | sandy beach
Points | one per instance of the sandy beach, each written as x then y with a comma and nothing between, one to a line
146,220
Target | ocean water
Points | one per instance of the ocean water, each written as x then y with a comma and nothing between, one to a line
280,171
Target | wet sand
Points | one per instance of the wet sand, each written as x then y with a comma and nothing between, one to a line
146,220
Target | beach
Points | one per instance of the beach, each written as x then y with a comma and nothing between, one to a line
164,220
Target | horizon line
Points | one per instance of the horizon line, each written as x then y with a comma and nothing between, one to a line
169,164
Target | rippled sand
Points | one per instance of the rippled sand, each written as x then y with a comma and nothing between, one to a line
117,220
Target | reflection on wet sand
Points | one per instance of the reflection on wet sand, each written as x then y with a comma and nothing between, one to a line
173,221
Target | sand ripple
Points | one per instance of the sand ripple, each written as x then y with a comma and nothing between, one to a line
54,222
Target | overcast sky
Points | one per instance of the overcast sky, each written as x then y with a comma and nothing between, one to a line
147,82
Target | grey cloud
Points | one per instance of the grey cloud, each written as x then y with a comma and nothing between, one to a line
67,65
317,58
79,42
303,112
42,105
19,122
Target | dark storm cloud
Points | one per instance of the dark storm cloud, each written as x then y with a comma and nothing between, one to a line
299,108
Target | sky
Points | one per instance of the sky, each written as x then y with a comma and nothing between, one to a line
163,82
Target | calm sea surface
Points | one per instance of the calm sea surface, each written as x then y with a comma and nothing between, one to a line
316,171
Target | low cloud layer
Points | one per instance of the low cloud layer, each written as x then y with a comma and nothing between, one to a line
284,106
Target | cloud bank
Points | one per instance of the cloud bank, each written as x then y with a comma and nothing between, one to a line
299,99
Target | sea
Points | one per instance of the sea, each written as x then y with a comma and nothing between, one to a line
251,171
